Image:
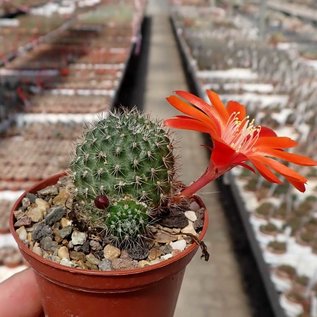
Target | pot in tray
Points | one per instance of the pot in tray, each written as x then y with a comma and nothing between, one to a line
300,284
297,248
266,234
66,291
293,303
275,252
282,276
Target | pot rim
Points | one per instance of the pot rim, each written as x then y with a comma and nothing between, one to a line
112,273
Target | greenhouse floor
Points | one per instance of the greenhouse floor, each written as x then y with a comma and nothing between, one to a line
214,288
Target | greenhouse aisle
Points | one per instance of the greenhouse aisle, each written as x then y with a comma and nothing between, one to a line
213,288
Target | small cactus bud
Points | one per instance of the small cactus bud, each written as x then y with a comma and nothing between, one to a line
101,202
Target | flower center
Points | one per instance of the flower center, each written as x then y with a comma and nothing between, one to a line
241,135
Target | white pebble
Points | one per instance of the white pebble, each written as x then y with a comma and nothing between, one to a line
78,238
191,215
178,245
66,262
166,256
158,260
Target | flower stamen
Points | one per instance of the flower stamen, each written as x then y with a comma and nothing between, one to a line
241,135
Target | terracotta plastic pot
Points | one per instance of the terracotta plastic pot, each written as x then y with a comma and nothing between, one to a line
143,292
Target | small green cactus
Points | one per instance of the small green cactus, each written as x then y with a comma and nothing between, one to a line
127,220
123,155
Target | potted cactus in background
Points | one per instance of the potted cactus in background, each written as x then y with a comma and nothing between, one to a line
116,231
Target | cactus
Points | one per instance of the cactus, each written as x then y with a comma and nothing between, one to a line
124,155
127,220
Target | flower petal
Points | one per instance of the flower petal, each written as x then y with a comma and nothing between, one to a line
186,123
219,106
201,105
276,142
299,185
265,131
283,169
198,102
236,107
290,157
191,111
265,171
222,155
247,167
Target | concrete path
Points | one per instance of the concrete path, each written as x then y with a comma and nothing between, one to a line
212,289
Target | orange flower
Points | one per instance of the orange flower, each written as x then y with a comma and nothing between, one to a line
236,140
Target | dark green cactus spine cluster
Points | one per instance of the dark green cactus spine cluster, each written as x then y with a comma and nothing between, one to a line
124,154
127,220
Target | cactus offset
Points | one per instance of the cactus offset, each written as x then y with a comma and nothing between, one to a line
127,220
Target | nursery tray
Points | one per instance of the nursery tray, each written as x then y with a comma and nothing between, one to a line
48,103
255,247
32,153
